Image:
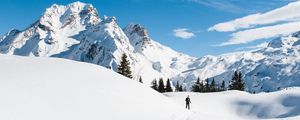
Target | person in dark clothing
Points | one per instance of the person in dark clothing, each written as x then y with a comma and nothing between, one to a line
187,102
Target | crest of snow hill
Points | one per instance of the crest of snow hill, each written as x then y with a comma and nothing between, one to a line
76,32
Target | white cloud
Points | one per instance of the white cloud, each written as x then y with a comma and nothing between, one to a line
250,35
281,21
239,6
183,33
286,13
255,47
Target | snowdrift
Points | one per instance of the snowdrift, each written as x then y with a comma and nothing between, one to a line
58,89
236,105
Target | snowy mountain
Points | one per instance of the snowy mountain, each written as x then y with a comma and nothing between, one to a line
76,32
53,33
268,69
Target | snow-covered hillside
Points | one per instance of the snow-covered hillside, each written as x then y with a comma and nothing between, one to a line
42,88
58,89
76,32
236,105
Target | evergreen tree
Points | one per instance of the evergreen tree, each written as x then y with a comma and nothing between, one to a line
213,86
177,87
223,86
124,68
168,86
241,85
234,78
181,88
236,82
140,80
154,85
196,86
161,86
207,86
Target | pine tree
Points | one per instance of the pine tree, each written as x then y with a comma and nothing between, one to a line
207,86
161,86
241,85
177,86
196,86
140,80
236,82
223,86
213,86
168,86
181,88
232,85
154,85
124,68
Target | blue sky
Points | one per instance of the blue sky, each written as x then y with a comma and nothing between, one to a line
161,17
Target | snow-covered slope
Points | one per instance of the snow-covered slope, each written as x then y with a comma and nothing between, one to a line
34,88
236,105
57,89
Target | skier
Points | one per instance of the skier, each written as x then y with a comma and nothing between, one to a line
187,102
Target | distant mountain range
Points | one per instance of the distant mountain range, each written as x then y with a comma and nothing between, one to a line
76,32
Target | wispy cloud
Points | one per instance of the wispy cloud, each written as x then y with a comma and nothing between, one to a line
183,33
239,6
254,47
250,35
277,22
286,13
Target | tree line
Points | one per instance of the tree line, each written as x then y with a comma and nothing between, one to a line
208,86
160,86
236,83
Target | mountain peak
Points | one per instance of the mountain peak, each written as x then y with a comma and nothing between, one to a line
75,7
138,35
137,28
109,19
286,41
78,4
59,16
